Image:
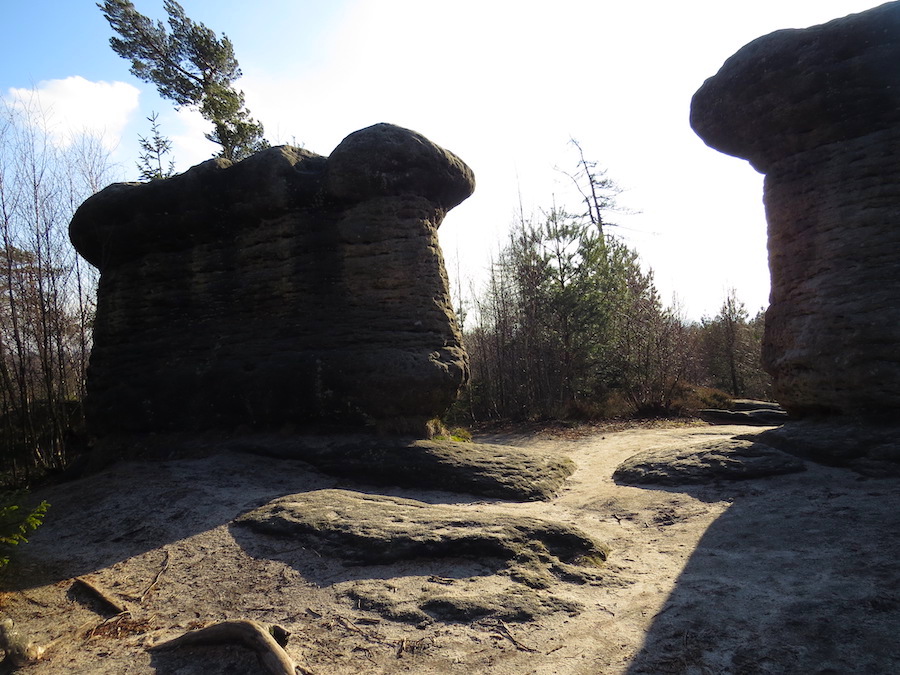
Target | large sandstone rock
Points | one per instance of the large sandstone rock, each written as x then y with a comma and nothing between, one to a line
818,111
283,291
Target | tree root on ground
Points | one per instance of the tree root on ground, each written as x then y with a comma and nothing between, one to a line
106,602
245,632
20,651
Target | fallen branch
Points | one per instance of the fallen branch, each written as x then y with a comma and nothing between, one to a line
20,651
245,632
108,603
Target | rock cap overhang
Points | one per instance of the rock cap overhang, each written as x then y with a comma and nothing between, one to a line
382,160
797,89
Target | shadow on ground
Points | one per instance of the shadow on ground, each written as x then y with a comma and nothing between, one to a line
135,507
803,580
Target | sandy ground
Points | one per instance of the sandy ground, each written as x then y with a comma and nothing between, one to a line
789,574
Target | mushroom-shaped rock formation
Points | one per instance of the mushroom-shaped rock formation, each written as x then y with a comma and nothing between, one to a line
818,111
288,290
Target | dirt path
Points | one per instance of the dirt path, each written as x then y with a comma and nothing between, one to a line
793,573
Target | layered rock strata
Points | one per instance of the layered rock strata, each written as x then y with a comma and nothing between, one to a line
818,112
285,291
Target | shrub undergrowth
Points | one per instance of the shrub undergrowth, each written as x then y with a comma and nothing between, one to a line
16,522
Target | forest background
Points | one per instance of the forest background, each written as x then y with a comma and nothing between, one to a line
568,325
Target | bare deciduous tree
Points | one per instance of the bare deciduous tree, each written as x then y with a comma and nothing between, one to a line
46,293
732,347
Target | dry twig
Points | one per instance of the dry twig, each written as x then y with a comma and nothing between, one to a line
501,627
162,569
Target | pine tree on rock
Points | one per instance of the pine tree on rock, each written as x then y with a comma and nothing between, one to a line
153,149
190,66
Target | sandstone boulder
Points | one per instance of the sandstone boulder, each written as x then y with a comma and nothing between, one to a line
377,529
728,459
288,290
818,111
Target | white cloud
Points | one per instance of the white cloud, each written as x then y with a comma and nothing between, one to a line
74,106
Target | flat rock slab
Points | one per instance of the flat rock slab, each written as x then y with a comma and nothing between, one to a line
746,404
760,417
462,600
871,449
364,529
502,471
726,459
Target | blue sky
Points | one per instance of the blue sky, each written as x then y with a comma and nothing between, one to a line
502,83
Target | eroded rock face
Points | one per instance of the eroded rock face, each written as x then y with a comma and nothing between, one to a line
286,290
818,111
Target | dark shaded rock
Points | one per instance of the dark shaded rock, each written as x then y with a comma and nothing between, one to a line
729,459
762,417
502,471
385,160
797,90
818,111
286,289
871,449
374,529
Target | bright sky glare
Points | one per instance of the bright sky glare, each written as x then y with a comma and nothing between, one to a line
504,84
